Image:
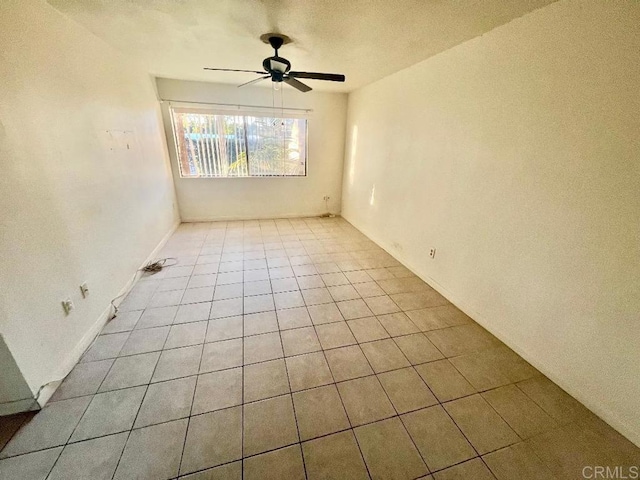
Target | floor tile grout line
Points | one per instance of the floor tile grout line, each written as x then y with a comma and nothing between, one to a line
242,393
193,396
479,392
297,391
128,434
159,352
132,386
289,291
150,383
66,442
24,421
335,385
243,337
392,406
476,390
422,332
270,450
441,404
137,412
195,388
293,405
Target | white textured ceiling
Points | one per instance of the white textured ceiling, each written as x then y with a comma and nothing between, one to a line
363,39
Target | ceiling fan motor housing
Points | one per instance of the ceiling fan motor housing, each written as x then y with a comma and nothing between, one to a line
277,67
276,40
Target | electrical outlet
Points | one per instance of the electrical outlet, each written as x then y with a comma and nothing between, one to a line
84,290
326,198
432,252
67,305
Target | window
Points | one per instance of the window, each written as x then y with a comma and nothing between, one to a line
212,143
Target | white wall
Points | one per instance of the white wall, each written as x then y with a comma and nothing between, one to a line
247,198
75,206
15,394
517,156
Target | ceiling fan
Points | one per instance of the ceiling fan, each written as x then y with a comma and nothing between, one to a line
279,69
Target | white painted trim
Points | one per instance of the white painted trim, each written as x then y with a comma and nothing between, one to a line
574,390
152,256
26,405
257,217
72,359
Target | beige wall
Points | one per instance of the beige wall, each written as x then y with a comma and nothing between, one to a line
516,155
75,205
246,198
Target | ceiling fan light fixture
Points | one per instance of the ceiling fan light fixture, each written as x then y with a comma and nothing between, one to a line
278,66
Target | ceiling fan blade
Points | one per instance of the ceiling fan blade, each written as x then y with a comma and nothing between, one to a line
254,81
297,85
233,70
333,77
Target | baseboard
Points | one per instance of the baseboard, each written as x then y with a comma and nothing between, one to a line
606,415
232,218
151,257
49,388
26,405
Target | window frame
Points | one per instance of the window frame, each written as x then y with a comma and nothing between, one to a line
244,111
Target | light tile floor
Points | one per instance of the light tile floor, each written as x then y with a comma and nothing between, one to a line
292,349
